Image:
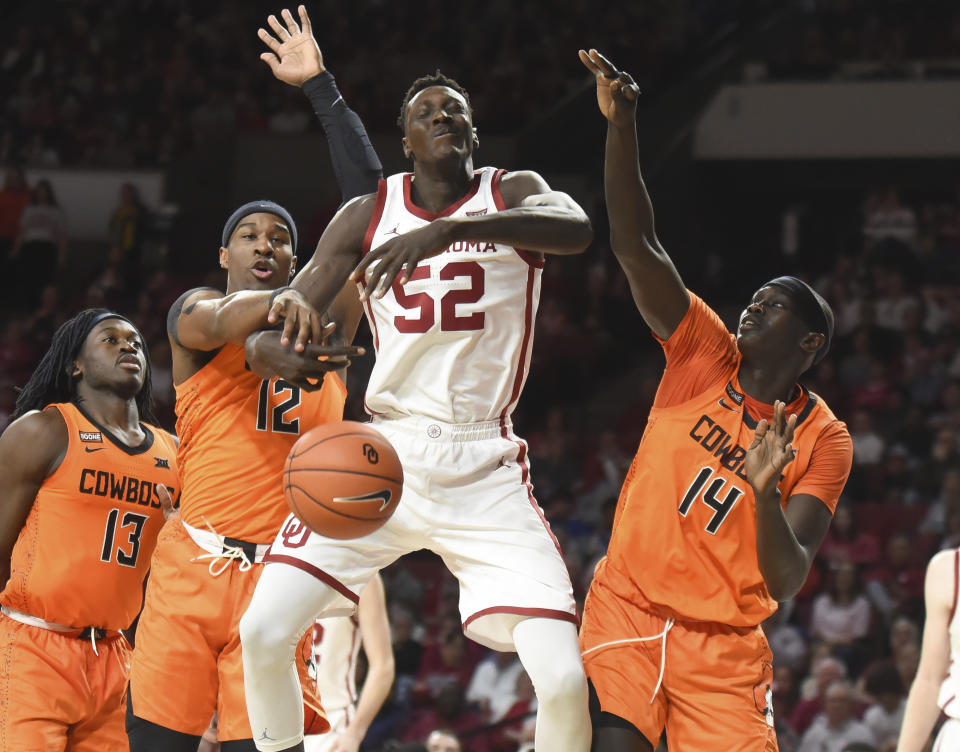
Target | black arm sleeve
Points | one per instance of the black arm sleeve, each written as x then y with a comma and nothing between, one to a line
355,162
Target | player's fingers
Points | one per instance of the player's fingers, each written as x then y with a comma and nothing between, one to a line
166,501
407,271
290,21
305,20
270,59
608,69
313,351
275,312
365,262
590,65
304,330
290,323
386,279
268,39
277,27
761,430
316,328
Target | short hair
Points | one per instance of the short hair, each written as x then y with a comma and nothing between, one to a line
51,380
425,82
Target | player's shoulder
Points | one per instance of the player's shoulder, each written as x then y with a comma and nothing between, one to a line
518,185
943,564
37,440
37,426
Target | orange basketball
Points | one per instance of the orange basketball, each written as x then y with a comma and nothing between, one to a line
343,480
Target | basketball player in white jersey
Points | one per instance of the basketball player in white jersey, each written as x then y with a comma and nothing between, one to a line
336,648
449,261
936,686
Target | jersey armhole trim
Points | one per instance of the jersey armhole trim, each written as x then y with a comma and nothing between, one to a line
375,217
532,258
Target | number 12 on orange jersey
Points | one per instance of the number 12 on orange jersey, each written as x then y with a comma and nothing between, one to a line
708,491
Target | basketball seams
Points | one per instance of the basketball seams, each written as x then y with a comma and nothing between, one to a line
340,470
298,453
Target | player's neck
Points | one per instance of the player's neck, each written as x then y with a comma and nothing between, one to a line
767,385
437,185
118,415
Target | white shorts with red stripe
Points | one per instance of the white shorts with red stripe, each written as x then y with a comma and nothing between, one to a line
949,736
467,497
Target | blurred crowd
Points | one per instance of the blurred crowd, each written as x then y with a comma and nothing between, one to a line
847,646
86,85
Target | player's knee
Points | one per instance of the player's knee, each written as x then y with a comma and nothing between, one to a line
565,687
265,640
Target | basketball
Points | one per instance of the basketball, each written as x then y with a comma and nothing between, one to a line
343,480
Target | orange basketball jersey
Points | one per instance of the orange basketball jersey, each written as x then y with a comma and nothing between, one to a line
85,548
685,529
235,433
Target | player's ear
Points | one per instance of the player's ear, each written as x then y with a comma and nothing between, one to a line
293,266
75,371
224,257
476,139
812,341
407,151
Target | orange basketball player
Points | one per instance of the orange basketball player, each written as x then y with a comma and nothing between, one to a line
235,431
730,494
86,489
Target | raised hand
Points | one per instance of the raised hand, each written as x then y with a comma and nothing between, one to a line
771,451
401,253
617,92
295,56
298,315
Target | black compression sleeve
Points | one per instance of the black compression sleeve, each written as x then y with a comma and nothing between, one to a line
355,162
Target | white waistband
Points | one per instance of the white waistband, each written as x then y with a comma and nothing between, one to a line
437,430
214,543
36,621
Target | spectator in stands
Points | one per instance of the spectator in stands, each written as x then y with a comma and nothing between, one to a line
443,740
492,687
895,585
824,672
14,197
836,726
885,716
887,217
842,615
448,712
128,224
845,540
41,245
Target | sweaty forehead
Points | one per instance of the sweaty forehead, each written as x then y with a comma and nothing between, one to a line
437,91
116,326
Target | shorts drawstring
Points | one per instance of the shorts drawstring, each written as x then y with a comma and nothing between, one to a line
227,554
663,651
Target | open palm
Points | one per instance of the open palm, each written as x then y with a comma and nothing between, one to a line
294,55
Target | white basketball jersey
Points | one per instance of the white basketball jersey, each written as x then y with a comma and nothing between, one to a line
949,698
453,343
336,646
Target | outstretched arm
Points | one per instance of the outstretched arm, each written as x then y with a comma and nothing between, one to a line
922,711
536,218
296,59
657,289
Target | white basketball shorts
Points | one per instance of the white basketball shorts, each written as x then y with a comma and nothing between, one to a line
467,497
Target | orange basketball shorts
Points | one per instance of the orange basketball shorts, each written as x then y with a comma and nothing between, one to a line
56,693
187,661
716,680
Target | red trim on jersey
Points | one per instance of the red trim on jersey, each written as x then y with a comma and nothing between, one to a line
315,571
372,320
430,216
354,651
527,328
956,582
944,706
375,219
531,257
544,613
